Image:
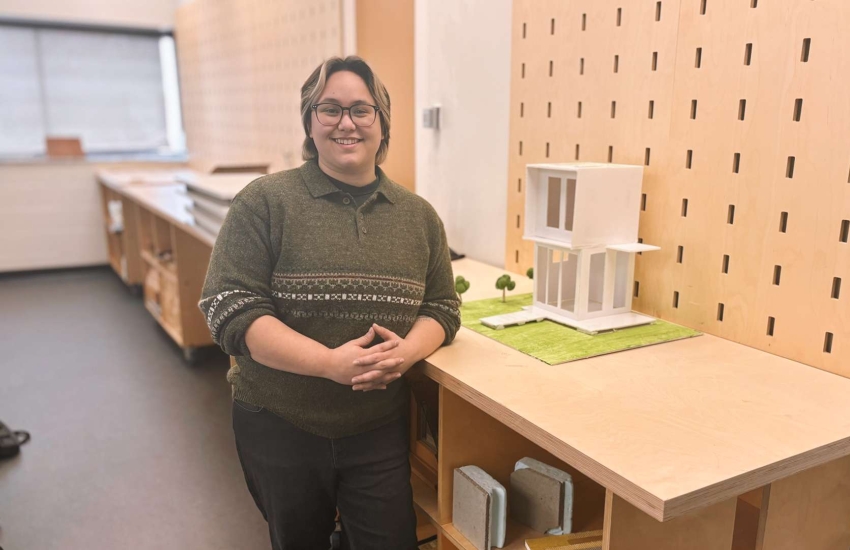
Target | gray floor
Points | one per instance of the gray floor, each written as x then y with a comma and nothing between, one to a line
131,448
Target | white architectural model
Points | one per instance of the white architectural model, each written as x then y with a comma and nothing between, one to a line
583,219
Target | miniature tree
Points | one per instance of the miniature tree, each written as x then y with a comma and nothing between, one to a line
530,273
504,283
461,286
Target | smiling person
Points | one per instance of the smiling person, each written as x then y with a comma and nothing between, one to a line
328,282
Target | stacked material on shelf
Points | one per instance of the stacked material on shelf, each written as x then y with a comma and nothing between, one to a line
124,178
479,503
211,196
542,497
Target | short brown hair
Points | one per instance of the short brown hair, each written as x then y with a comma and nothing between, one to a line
315,84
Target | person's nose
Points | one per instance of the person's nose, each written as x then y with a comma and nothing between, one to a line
345,122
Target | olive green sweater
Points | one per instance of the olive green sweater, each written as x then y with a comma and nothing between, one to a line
296,247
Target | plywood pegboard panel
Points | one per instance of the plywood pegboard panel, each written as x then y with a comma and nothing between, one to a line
733,96
242,65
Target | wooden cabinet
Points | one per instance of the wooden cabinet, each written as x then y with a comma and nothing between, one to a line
158,248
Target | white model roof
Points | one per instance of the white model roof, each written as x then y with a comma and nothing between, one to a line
581,166
563,245
633,247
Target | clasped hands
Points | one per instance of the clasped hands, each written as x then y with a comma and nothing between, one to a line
367,369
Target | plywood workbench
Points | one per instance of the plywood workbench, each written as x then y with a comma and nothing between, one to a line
663,440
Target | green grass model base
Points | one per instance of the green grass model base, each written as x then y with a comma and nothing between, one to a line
553,343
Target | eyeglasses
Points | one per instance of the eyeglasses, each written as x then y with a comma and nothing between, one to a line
330,114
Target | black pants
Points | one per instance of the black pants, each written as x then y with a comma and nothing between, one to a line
299,480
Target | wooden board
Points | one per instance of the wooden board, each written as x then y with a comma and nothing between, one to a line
746,526
134,274
808,510
382,22
627,528
193,258
688,62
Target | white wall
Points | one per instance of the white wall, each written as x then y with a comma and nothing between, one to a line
156,14
462,59
50,216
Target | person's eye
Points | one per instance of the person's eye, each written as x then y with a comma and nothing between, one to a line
329,110
362,111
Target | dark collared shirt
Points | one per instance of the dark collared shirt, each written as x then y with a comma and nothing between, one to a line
355,193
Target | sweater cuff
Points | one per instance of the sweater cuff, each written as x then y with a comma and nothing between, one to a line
232,339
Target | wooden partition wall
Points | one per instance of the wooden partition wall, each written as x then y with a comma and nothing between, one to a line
385,41
739,111
242,64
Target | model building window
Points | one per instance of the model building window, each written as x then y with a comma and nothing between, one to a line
553,203
570,208
553,276
560,198
621,279
556,275
597,282
569,278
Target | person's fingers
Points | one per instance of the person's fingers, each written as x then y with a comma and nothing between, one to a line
379,370
374,376
376,353
384,333
366,338
373,388
372,359
378,384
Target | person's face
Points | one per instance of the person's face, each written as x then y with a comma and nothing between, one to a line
346,148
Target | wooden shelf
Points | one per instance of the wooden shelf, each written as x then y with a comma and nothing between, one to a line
515,536
425,498
425,502
169,269
173,332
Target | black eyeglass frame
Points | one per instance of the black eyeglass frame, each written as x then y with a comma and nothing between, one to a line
342,113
